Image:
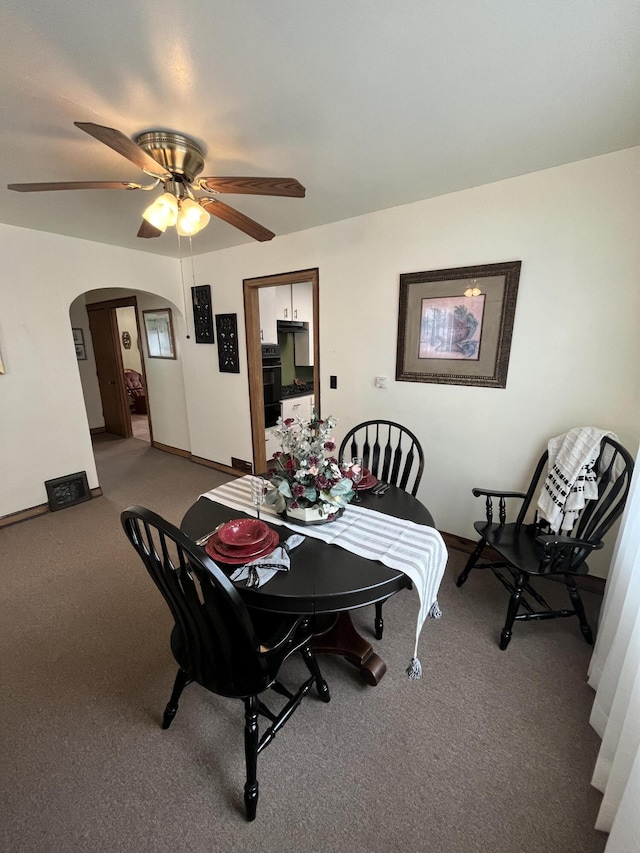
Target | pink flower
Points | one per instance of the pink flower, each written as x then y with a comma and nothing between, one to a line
294,505
288,422
277,454
313,470
298,490
330,445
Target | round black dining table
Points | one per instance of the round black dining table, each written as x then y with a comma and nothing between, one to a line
323,579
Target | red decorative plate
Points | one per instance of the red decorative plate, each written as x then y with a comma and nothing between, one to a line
243,532
245,551
237,556
367,482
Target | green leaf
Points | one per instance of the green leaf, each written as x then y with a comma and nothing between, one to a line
342,487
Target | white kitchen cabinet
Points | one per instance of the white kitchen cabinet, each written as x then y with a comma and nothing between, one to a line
302,302
272,444
268,316
294,301
282,301
298,407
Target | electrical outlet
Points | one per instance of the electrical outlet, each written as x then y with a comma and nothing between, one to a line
382,382
333,382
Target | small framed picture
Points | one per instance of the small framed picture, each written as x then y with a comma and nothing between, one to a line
78,340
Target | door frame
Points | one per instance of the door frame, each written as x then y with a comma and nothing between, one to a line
251,288
111,305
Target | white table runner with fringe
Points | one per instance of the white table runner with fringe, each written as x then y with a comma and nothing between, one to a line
414,549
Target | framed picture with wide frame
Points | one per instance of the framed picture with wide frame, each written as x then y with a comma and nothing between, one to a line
158,328
455,325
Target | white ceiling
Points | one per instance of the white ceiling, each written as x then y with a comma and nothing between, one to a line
368,103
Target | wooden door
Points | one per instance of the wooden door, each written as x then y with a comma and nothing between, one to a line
115,406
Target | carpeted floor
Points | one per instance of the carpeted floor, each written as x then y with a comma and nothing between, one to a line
489,751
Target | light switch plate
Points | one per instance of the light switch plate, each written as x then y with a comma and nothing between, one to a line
382,382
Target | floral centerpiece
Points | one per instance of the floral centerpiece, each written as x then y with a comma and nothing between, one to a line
309,484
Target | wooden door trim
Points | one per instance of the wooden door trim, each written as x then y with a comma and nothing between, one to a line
129,302
123,302
251,286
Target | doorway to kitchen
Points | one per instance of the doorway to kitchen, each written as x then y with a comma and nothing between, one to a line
282,322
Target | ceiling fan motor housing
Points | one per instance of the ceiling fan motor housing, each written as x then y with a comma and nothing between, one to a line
176,153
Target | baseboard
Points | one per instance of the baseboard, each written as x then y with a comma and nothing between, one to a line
167,448
97,430
34,511
199,460
589,583
218,466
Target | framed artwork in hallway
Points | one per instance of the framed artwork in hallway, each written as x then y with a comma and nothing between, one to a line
78,341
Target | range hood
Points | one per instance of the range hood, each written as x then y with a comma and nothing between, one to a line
292,326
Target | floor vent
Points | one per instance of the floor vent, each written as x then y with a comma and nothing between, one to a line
67,491
241,465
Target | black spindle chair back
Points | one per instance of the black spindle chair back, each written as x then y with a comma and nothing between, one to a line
390,451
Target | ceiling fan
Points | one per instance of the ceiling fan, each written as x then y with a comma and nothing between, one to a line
175,161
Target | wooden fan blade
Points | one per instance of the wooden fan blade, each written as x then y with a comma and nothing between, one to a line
234,217
74,185
254,186
124,146
148,230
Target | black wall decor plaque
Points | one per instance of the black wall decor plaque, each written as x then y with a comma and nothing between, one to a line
202,316
67,491
227,329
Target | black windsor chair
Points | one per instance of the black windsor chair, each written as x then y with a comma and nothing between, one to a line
527,550
216,641
393,454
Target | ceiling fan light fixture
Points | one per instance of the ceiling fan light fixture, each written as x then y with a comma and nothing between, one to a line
191,218
162,212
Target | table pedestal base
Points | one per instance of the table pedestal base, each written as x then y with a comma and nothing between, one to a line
343,639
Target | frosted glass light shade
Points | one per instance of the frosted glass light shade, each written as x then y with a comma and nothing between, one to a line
191,218
163,212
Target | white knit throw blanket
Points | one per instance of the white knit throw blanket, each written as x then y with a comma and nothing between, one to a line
571,480
415,549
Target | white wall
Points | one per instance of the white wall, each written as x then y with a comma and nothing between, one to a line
43,421
573,359
575,346
87,369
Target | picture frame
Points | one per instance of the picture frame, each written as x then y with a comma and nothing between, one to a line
158,327
78,341
228,356
455,325
202,316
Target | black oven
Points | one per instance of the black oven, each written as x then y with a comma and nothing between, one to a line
271,382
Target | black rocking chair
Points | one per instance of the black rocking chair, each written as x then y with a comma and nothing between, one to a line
393,454
217,642
527,550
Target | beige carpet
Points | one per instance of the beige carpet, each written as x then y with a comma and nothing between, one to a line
489,751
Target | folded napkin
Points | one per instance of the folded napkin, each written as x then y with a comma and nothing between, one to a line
258,572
